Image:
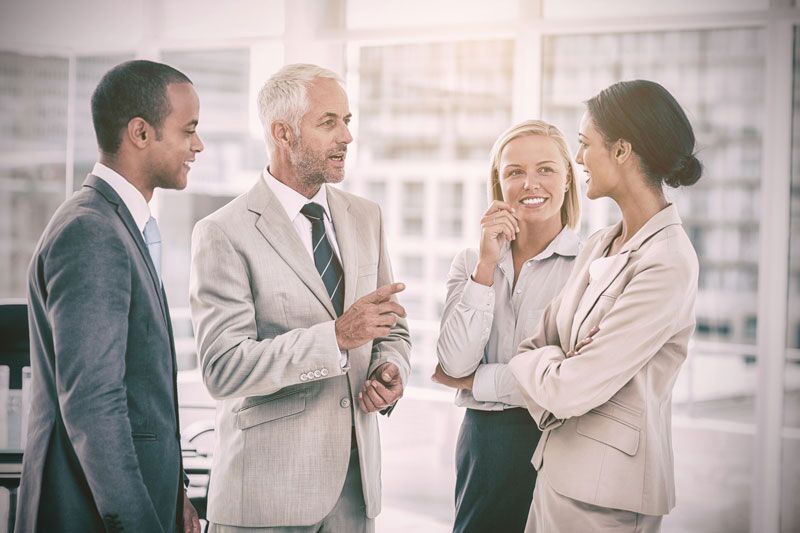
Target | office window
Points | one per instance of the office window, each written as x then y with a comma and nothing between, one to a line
717,76
33,135
413,212
88,71
790,516
450,211
229,165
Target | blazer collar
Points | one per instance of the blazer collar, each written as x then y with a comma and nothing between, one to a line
274,224
589,297
111,196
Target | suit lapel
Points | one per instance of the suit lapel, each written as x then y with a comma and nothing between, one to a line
278,230
124,214
595,289
345,228
588,298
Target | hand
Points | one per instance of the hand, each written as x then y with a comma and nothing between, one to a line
499,224
191,522
584,342
383,388
454,383
371,316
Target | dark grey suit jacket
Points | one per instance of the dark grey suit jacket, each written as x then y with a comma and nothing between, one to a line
103,449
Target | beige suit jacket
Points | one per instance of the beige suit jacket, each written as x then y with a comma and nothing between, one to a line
268,351
606,413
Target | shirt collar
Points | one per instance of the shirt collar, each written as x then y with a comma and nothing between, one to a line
291,200
130,195
565,244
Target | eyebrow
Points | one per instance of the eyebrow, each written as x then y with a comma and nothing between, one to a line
331,114
546,161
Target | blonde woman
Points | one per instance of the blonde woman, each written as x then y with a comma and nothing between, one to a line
598,374
495,297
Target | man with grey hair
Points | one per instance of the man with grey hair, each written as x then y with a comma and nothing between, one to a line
299,333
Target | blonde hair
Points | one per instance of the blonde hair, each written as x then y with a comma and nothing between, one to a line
571,208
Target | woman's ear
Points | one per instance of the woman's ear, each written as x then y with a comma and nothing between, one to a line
622,151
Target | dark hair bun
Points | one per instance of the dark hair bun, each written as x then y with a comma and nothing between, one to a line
687,172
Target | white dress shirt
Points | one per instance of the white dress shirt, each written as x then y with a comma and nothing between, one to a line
130,195
483,326
292,202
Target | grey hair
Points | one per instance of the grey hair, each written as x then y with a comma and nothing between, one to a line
284,96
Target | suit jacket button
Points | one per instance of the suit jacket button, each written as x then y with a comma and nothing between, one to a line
345,403
303,377
317,374
324,372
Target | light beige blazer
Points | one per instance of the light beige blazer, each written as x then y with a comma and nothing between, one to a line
606,413
268,351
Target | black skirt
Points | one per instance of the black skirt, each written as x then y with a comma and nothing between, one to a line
494,475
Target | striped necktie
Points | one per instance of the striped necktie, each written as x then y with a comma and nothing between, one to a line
324,258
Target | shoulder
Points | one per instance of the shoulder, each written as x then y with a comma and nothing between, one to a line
228,219
359,206
672,250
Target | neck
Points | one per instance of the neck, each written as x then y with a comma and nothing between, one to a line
282,169
638,206
131,172
533,238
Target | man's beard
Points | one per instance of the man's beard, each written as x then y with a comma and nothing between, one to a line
311,166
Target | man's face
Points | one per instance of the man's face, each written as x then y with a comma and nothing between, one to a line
318,156
177,141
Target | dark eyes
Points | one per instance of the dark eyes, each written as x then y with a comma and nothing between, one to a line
546,170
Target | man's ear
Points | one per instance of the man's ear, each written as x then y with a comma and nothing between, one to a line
282,134
139,132
622,151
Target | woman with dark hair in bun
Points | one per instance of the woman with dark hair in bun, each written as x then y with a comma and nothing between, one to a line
597,376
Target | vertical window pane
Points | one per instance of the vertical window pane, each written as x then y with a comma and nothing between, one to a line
450,211
717,75
413,208
89,70
33,134
790,516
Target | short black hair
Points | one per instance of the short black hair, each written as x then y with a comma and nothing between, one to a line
132,89
646,115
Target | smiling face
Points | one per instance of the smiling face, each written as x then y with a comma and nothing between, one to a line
602,172
533,178
318,156
176,142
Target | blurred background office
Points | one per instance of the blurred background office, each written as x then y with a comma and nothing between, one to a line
431,84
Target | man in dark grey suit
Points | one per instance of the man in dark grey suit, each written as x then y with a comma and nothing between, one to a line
103,448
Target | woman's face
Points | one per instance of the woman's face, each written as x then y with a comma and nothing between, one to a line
533,178
597,160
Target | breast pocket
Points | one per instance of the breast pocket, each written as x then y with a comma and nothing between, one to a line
268,409
367,280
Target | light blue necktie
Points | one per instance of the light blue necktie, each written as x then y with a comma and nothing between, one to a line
152,236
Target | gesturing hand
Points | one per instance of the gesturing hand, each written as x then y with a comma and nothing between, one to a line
370,317
454,383
579,346
383,388
499,224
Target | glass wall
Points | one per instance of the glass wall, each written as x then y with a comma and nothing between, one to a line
428,113
790,516
33,150
429,97
717,76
